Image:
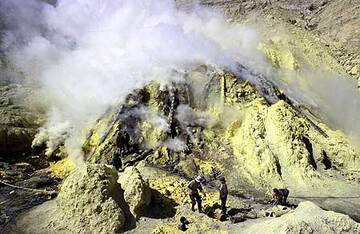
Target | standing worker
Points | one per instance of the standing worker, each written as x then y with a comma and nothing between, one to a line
223,190
116,159
194,188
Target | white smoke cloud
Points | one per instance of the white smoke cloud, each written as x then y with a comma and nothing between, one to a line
152,117
89,54
175,144
334,98
189,117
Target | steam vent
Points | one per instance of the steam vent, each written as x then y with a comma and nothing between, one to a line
179,116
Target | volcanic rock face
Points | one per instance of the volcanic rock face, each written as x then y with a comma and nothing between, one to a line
334,22
90,201
227,128
275,144
18,124
285,147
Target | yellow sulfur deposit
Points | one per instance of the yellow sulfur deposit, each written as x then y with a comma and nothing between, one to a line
62,168
152,135
170,187
296,48
98,132
208,167
280,54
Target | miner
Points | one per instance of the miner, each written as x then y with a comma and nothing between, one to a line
223,191
280,196
116,159
194,188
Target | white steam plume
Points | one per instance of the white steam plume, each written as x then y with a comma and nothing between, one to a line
335,98
175,144
89,54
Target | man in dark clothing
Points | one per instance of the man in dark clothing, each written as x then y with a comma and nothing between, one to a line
194,188
116,159
223,194
280,196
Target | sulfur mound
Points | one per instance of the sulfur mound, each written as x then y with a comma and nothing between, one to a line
137,193
307,218
90,201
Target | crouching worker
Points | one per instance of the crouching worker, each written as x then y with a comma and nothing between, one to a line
194,188
223,190
280,196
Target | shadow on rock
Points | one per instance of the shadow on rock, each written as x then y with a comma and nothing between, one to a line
161,207
129,217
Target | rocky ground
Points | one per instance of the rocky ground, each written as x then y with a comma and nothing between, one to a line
104,206
24,184
18,126
215,124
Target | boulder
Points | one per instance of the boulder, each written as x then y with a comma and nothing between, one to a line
90,201
137,193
